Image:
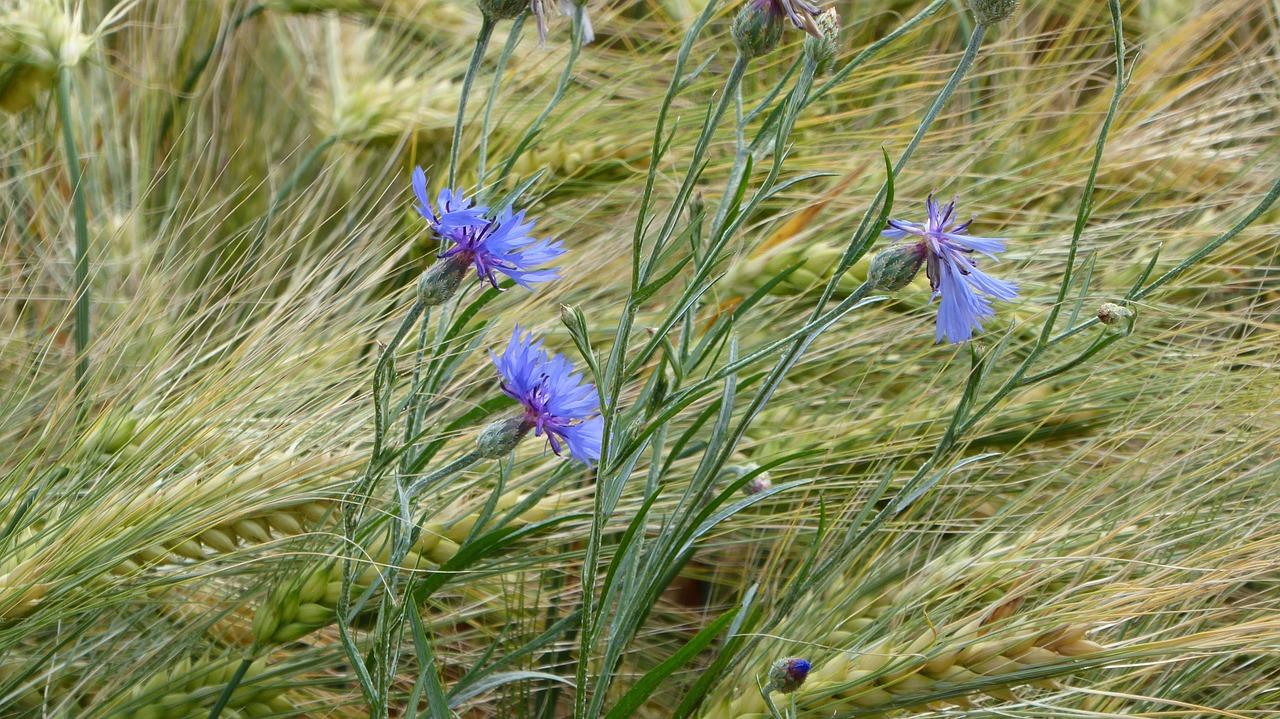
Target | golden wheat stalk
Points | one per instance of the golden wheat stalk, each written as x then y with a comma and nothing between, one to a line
188,688
308,601
957,662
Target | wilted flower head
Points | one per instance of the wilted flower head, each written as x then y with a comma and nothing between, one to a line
556,401
502,245
802,13
953,274
1110,313
787,675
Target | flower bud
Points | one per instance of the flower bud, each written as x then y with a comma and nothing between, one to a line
990,12
757,484
757,29
500,438
441,281
787,675
822,50
1110,313
502,9
895,266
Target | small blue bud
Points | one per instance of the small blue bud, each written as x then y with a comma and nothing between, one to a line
787,675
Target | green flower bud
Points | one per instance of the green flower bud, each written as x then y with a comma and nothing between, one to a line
502,9
500,438
822,50
787,675
756,30
990,12
895,266
441,281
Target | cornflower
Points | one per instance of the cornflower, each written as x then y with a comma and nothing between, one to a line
556,401
802,13
945,248
492,246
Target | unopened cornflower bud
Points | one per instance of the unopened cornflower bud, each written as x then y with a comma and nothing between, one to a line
441,281
822,49
756,30
501,438
895,266
990,12
787,675
1110,313
502,9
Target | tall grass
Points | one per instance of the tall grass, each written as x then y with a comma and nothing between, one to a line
200,513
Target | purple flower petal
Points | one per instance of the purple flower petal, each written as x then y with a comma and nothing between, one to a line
953,273
557,402
495,247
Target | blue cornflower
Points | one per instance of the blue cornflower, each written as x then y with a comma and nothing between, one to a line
492,246
504,245
454,210
953,275
556,401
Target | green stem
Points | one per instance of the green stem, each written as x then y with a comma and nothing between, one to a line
76,174
473,68
616,368
731,85
861,241
512,38
1085,209
615,374
448,470
1219,241
230,688
562,85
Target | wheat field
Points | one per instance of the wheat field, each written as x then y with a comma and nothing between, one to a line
270,448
